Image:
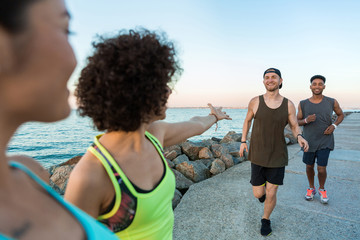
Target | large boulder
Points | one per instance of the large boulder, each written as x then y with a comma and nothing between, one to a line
232,148
217,166
60,177
196,171
171,155
206,162
208,142
176,199
205,153
231,137
228,160
181,181
218,150
175,148
180,159
191,149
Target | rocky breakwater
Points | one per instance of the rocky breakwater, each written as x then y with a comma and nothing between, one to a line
191,162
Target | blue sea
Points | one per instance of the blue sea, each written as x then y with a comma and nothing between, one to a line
53,143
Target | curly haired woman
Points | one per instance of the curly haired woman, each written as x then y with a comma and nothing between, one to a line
123,180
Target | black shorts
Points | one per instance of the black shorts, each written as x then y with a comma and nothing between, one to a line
260,175
322,157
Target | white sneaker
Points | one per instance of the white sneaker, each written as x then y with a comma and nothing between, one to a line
310,192
323,196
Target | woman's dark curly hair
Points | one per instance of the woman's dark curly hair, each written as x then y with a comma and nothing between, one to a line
125,82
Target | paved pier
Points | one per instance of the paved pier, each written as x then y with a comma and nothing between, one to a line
223,207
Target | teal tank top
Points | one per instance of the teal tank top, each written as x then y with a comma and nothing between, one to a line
93,229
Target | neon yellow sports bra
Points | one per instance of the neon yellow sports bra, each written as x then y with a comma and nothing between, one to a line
137,214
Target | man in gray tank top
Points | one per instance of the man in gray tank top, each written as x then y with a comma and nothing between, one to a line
315,114
268,151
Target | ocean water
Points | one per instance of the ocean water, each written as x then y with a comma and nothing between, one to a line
53,143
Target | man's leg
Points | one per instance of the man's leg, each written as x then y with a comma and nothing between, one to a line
259,191
310,173
270,202
258,182
322,174
309,160
322,161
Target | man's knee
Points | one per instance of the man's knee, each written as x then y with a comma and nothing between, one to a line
321,170
258,191
309,167
271,190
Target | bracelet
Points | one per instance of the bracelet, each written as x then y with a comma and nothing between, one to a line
242,141
214,116
305,120
334,125
299,135
216,120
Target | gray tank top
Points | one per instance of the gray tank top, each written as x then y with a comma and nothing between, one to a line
267,144
314,131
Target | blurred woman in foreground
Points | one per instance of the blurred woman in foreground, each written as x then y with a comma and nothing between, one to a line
123,179
36,60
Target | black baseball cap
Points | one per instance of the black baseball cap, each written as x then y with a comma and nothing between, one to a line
273,70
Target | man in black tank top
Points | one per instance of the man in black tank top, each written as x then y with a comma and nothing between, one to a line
268,151
315,114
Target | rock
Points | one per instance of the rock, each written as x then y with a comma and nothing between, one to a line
196,171
233,148
205,153
191,149
231,137
72,161
217,167
171,155
228,160
60,176
206,162
180,159
175,148
181,181
238,160
218,150
216,139
288,134
176,199
208,142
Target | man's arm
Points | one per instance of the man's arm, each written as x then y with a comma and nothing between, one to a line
252,108
295,127
174,133
304,120
340,117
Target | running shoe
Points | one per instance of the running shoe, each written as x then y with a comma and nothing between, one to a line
310,192
265,227
262,199
323,196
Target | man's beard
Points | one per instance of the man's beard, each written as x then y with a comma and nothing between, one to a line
272,88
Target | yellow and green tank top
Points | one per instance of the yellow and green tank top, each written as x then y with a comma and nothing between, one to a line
135,213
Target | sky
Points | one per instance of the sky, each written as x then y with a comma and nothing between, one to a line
225,46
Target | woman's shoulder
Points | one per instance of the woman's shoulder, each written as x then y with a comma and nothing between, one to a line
33,165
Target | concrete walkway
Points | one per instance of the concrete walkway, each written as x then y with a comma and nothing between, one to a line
223,207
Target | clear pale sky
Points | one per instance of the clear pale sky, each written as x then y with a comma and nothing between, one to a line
225,46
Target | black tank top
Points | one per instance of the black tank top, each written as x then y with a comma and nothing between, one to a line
267,144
